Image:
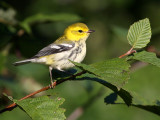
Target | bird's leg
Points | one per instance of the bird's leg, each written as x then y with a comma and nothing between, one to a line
53,83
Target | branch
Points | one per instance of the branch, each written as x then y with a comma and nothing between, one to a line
128,53
12,106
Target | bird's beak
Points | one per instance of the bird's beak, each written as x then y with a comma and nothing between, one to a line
90,31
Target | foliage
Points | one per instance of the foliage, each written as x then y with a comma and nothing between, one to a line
137,101
147,57
114,71
139,34
24,35
128,97
43,108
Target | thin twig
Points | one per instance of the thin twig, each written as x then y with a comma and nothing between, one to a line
128,53
12,106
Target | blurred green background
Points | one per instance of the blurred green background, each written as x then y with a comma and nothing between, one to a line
111,20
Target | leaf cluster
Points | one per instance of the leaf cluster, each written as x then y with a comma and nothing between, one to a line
112,73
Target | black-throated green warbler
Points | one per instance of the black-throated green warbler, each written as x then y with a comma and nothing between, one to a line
70,46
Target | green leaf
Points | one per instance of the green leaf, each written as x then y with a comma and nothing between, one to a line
125,95
137,101
148,57
114,71
140,102
151,108
130,98
133,99
139,33
39,18
43,108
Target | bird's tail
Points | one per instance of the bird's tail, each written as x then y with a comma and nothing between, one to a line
22,62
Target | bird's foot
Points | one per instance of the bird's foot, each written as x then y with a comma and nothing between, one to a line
52,85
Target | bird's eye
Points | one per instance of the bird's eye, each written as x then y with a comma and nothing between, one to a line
80,31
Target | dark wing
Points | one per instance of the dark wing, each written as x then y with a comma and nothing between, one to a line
53,49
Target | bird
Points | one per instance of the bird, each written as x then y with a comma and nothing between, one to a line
71,46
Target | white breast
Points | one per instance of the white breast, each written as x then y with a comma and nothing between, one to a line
76,54
80,56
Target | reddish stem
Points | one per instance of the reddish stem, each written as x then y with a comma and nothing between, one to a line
13,105
128,53
34,93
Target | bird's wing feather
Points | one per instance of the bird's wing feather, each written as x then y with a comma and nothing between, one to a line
55,48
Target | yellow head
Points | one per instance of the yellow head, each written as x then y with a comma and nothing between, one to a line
77,31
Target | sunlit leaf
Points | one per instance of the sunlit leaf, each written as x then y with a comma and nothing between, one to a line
43,108
147,57
139,33
114,71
